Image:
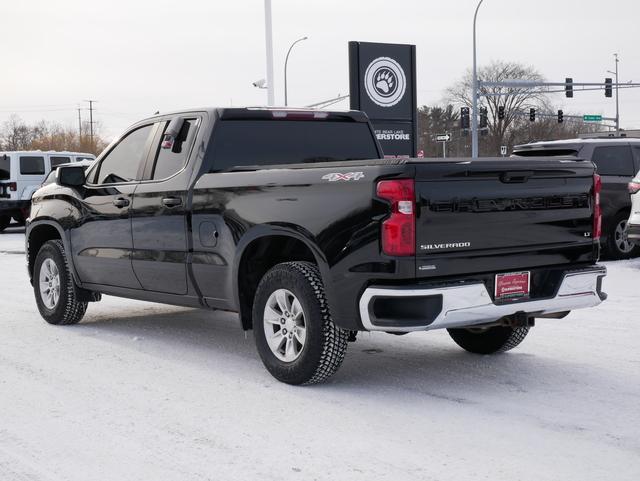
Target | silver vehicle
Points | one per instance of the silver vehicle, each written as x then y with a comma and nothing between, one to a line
22,173
633,229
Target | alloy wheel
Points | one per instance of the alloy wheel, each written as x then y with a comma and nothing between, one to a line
284,325
49,283
621,239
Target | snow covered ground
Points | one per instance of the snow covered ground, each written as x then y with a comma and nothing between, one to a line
141,391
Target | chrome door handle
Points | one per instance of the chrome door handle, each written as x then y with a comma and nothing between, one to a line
171,201
121,202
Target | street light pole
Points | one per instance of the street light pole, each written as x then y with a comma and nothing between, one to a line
285,69
617,97
269,47
474,93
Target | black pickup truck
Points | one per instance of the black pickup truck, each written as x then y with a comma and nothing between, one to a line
295,220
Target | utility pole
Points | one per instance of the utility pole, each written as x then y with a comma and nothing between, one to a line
474,93
79,126
269,47
91,121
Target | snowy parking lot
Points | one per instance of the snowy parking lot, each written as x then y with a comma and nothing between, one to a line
142,391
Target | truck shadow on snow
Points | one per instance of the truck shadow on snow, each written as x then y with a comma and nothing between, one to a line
424,366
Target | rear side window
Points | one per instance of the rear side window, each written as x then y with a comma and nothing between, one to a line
614,160
171,160
32,165
636,155
56,161
248,143
122,163
5,167
80,159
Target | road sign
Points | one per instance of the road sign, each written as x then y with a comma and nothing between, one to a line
443,137
592,118
503,150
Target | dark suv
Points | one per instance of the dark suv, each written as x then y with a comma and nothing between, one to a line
617,161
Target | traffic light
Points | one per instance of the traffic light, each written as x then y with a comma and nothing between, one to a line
560,116
568,87
608,87
483,117
464,118
532,115
501,112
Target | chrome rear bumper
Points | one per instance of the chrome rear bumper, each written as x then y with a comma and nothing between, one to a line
470,304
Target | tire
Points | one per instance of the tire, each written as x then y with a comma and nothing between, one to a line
618,246
5,220
314,347
489,340
51,270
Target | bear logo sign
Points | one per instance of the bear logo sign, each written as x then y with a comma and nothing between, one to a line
385,82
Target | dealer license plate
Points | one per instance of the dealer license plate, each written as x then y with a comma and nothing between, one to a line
514,285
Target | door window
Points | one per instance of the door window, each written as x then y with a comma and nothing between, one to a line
122,163
5,167
173,158
56,161
31,165
614,160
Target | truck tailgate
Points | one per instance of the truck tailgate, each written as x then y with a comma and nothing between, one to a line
502,214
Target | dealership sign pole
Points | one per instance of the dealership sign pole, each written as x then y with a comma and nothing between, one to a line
382,83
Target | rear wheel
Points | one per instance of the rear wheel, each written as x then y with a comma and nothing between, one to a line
5,220
618,244
295,335
488,340
54,288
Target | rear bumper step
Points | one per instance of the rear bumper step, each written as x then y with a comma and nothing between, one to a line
402,309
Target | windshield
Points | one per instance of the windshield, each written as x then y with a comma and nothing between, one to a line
5,167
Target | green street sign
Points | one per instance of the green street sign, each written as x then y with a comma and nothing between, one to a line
592,118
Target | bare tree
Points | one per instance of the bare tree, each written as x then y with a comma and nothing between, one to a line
515,128
514,100
15,134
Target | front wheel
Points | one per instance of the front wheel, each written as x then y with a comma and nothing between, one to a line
488,340
295,335
54,288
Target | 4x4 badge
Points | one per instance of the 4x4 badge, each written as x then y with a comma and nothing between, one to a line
336,176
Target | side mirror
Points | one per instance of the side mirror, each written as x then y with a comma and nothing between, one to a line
70,176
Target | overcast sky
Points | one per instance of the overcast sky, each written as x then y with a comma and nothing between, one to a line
135,57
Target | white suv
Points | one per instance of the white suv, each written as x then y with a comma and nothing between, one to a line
633,226
21,174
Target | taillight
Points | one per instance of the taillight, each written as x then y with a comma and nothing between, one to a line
399,229
634,186
597,212
13,186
